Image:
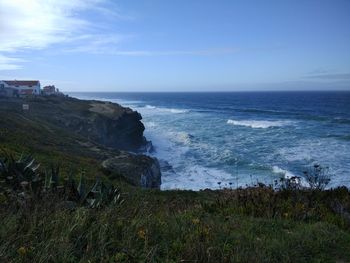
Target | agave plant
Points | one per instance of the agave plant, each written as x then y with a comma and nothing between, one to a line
99,195
20,173
23,174
51,178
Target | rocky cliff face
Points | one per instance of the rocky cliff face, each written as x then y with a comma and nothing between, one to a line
139,170
114,126
107,130
106,123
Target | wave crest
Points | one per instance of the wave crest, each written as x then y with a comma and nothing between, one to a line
278,170
165,110
258,124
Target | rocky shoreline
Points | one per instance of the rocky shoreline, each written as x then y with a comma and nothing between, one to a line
111,133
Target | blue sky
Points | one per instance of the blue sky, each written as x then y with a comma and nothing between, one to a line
182,45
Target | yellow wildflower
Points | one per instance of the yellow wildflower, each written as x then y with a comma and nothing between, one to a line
142,233
206,231
195,221
22,251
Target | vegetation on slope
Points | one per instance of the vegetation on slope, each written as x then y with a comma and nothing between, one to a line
45,221
256,224
247,225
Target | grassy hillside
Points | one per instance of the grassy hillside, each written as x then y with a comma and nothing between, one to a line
181,226
22,133
247,225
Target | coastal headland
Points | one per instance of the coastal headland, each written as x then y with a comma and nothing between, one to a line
95,135
46,216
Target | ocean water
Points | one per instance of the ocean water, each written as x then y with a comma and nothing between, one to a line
240,138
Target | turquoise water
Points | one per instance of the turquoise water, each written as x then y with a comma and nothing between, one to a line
240,138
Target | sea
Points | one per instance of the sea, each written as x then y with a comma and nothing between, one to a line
237,139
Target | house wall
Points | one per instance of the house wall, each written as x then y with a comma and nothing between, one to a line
2,85
35,88
21,89
6,91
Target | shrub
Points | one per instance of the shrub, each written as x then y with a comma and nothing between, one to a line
22,181
317,177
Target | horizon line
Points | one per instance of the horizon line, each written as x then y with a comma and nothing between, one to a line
209,91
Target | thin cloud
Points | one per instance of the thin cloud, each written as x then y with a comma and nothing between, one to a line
318,71
198,52
38,24
7,63
101,49
344,76
95,44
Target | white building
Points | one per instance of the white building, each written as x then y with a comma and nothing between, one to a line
22,87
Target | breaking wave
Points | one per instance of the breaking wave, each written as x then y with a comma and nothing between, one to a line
165,110
278,170
258,124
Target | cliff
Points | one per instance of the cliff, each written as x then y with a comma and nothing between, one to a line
139,170
108,124
85,128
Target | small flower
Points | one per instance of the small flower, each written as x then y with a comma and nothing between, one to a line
142,233
121,257
205,231
22,251
195,221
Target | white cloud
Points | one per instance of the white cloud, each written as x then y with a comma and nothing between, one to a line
96,43
7,63
97,48
330,76
38,24
78,25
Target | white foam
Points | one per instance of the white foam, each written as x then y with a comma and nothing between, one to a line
181,137
150,107
149,124
177,110
287,174
186,172
196,177
258,124
165,110
327,152
278,170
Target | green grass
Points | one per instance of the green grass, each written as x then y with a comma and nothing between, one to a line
172,226
50,144
247,225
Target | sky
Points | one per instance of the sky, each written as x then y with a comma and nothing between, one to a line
182,45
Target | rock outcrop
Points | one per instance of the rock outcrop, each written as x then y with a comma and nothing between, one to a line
106,131
139,170
106,123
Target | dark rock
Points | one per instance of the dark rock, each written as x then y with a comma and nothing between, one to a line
139,170
105,123
93,129
116,126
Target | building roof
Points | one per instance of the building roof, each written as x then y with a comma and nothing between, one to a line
22,82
